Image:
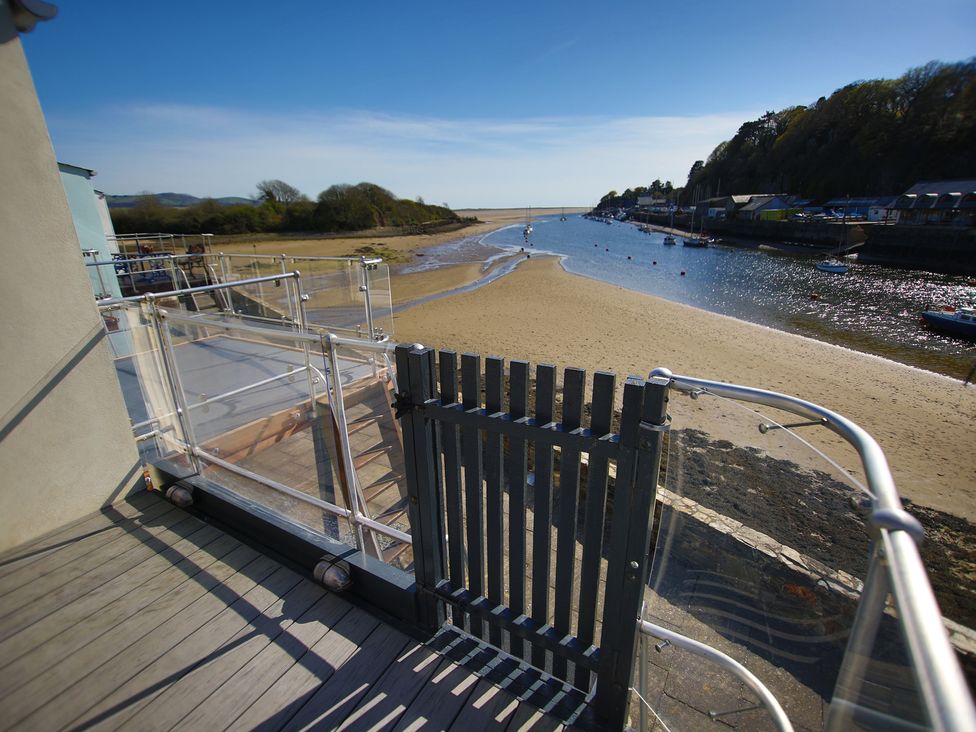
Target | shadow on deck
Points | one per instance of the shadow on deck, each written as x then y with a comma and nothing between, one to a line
143,616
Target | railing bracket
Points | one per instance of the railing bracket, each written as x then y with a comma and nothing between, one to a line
896,519
765,427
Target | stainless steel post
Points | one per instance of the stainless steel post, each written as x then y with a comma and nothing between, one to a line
101,281
173,378
302,325
291,305
369,302
339,410
171,263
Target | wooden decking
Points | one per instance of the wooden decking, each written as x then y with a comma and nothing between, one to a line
144,617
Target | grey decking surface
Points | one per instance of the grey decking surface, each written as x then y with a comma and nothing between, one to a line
144,617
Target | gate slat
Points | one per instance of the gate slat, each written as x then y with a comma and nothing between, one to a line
451,447
471,453
518,405
601,416
494,505
574,381
545,400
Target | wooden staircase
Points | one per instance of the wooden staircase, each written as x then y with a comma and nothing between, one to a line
377,455
283,447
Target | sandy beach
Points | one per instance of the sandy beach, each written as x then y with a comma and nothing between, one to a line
394,246
923,421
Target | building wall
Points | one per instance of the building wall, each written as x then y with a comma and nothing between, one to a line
65,444
84,206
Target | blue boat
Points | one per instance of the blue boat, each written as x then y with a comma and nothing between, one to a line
961,322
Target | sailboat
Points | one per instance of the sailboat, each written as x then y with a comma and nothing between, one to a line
669,238
563,216
696,241
527,231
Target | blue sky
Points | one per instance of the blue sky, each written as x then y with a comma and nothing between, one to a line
473,104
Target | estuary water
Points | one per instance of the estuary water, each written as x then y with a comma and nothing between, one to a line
871,309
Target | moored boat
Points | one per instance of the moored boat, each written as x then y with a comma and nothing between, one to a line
832,266
961,322
669,240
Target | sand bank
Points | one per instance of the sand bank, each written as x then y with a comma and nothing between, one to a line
397,247
923,421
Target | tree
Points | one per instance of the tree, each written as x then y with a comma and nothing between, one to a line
277,191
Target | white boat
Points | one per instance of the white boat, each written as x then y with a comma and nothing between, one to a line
669,240
832,266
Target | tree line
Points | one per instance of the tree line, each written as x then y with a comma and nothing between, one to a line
868,138
283,208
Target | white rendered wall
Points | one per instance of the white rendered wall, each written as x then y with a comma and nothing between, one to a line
65,444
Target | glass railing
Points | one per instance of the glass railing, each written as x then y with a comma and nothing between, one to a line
786,563
349,296
292,420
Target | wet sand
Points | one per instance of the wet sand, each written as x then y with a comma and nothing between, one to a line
923,421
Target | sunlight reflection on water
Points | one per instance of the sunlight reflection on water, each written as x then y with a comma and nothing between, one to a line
873,309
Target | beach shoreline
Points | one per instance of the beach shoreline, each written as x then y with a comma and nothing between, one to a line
545,314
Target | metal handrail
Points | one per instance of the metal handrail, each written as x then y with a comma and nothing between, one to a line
766,697
167,256
941,682
202,288
302,258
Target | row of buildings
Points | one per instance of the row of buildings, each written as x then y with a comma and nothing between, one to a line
947,202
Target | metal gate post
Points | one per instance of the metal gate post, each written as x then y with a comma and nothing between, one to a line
415,377
642,426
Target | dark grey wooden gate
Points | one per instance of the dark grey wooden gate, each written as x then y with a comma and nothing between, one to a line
458,473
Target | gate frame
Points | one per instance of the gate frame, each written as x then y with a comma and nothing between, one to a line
637,450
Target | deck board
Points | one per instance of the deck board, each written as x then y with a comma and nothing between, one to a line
107,595
69,556
225,704
36,549
54,591
165,622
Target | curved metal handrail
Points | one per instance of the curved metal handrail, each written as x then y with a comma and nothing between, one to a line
766,697
939,676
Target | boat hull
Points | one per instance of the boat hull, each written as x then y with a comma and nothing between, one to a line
950,324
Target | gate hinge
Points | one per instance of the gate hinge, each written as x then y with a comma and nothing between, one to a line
402,404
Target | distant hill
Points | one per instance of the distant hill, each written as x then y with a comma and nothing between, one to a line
176,200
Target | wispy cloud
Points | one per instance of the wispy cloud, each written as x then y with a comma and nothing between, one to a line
465,162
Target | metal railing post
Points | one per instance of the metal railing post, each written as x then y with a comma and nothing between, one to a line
175,384
345,451
171,264
291,305
368,300
302,325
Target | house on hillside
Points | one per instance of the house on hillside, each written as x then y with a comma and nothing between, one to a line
943,202
654,204
865,208
766,208
748,206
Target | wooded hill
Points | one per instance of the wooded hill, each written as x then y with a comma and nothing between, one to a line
869,138
283,209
